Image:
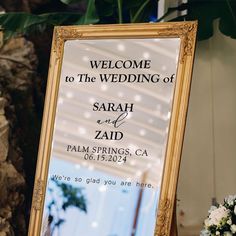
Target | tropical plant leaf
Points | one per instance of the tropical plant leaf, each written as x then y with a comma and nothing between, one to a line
132,4
107,11
23,23
14,23
144,12
60,18
105,8
90,16
67,2
121,11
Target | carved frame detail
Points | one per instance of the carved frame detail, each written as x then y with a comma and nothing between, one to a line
38,195
186,31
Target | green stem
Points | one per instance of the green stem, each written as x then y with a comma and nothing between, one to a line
139,11
119,3
87,11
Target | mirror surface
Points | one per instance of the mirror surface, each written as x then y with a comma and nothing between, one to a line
110,135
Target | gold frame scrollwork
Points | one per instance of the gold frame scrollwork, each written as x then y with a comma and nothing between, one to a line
38,195
186,31
164,217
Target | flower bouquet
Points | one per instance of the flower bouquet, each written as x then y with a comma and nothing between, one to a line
222,219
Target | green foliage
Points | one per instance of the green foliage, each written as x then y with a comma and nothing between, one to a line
25,23
70,1
90,16
121,11
15,23
96,11
136,14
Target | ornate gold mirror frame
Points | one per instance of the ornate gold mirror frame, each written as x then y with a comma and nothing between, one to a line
186,32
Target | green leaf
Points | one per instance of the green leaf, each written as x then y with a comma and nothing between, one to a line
90,16
139,11
132,4
14,23
67,2
105,9
24,23
119,5
142,12
60,18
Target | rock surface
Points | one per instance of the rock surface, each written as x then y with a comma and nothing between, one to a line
11,181
19,132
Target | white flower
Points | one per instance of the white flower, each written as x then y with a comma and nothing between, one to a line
205,233
212,209
206,222
227,234
233,229
217,233
230,199
229,222
217,215
235,209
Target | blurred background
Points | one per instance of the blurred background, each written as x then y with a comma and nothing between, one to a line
207,169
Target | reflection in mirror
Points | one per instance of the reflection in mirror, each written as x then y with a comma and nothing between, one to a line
110,135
